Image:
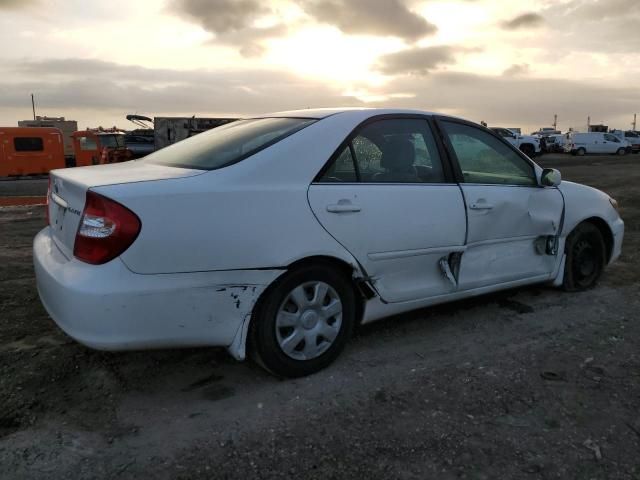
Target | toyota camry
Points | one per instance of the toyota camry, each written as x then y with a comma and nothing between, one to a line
275,236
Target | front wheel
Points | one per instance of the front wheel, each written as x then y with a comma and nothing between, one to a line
581,152
586,258
303,321
621,151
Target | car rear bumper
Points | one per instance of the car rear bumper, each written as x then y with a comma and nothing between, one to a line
108,307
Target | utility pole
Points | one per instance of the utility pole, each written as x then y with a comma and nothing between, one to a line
588,123
634,122
555,121
33,106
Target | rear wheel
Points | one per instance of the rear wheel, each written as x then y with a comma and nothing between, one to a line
581,152
621,151
586,258
303,321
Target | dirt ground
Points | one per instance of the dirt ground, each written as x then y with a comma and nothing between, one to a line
530,383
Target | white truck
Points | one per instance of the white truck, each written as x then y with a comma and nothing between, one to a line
595,143
555,143
529,145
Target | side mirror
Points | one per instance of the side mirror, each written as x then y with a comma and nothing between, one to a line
550,177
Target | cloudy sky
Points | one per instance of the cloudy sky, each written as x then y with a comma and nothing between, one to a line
510,63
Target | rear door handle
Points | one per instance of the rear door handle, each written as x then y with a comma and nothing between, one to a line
480,206
343,208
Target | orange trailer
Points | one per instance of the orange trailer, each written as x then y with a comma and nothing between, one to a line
30,150
93,147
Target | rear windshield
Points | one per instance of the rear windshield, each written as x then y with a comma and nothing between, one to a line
227,144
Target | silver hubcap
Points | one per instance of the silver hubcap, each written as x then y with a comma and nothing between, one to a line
308,320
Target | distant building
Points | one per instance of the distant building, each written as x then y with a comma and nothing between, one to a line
599,128
67,127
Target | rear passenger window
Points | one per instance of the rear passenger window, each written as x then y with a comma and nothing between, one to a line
343,169
28,144
390,151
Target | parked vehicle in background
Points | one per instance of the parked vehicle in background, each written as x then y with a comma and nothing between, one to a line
580,144
546,131
30,150
528,144
67,127
281,233
633,138
169,130
96,147
140,142
554,143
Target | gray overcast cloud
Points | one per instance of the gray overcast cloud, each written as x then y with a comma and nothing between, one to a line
482,59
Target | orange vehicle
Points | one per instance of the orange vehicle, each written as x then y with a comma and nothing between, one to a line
95,147
30,150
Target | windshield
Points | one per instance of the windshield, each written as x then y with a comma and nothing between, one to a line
227,144
111,141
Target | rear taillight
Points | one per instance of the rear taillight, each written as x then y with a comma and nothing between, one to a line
106,230
46,207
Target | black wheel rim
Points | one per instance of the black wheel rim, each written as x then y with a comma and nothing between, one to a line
586,263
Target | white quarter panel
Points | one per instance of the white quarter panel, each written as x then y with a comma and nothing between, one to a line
109,307
69,188
504,223
399,234
253,214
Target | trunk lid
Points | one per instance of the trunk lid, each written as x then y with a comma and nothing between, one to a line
69,188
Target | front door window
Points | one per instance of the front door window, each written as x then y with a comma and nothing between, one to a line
484,159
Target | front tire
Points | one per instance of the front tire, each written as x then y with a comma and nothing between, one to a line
621,151
581,152
586,258
303,321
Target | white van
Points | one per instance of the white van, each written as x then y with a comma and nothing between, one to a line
594,143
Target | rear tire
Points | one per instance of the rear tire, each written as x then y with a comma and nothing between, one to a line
303,321
586,258
581,152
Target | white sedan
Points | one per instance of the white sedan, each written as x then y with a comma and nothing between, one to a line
278,234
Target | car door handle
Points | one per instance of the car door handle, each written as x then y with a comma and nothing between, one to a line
480,206
343,208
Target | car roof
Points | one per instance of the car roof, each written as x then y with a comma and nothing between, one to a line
319,113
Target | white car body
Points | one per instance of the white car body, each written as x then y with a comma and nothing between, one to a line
211,242
594,143
526,143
